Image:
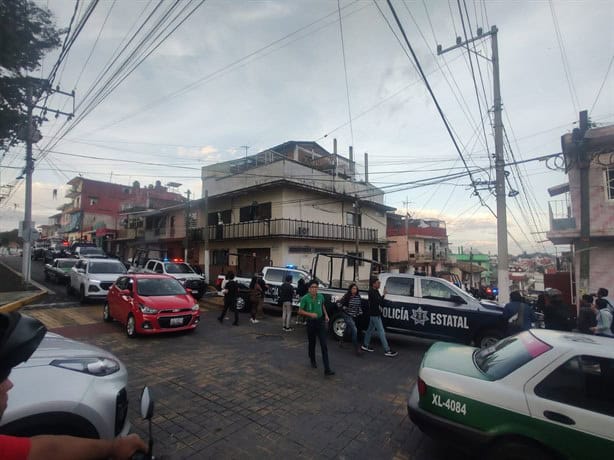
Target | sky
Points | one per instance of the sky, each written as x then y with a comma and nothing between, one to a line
249,75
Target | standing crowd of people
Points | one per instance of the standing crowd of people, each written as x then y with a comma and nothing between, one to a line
595,315
312,310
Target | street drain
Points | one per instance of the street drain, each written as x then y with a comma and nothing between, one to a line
269,337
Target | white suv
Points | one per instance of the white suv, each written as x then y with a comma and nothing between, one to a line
92,278
182,272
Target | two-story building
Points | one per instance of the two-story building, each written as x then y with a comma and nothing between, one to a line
582,215
416,245
93,212
278,207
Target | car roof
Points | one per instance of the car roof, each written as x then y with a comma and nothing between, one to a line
101,260
149,276
583,343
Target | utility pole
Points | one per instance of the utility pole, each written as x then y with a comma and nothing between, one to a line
31,137
206,236
356,227
26,263
406,203
186,250
502,250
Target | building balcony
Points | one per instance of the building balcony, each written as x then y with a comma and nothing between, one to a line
563,229
286,228
130,233
155,234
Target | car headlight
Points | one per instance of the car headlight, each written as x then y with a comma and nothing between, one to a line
196,307
94,281
147,310
93,366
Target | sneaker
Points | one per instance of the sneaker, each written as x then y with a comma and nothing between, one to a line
289,329
329,372
363,348
390,353
285,329
254,321
220,320
314,364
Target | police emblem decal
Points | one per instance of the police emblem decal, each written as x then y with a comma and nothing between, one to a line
419,316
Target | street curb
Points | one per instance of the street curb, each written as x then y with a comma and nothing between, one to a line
17,304
12,306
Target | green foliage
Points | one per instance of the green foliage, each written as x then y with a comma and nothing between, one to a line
27,33
8,237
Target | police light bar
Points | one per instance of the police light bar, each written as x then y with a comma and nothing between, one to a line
290,266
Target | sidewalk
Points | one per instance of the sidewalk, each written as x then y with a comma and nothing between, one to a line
14,293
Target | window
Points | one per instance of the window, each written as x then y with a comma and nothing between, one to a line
93,200
400,286
255,211
214,218
509,354
374,254
150,265
583,381
275,276
219,257
435,290
416,247
352,218
609,183
158,268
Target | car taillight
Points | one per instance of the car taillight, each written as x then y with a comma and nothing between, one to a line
421,387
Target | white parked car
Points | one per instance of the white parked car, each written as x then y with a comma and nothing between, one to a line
68,387
92,278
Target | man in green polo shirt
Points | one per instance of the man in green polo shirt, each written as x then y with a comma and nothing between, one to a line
313,308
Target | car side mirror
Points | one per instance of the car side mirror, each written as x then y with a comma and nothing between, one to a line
457,299
188,290
80,270
125,292
147,404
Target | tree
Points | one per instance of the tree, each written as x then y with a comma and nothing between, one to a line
27,33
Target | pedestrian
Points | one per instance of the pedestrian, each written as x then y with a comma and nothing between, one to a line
263,289
255,295
301,290
604,300
517,315
286,294
19,338
375,319
231,294
556,312
351,309
586,316
604,317
312,307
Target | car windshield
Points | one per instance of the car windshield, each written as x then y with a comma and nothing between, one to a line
509,354
67,263
172,267
107,267
159,287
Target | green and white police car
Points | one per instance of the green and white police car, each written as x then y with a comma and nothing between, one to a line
539,394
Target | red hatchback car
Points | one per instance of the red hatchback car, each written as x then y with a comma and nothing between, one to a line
151,303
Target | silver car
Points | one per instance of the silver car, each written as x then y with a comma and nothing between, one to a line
68,387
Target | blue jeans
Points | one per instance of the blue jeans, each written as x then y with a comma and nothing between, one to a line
375,323
316,327
349,322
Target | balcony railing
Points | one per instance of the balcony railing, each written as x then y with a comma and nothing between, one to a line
155,234
288,228
560,216
130,233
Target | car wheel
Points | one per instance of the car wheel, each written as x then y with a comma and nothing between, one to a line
337,327
131,327
106,313
82,297
518,450
488,338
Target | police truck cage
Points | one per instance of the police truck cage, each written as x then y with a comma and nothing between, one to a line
338,271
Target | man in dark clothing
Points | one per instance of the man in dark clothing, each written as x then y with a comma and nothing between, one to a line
517,314
556,312
375,319
286,293
586,316
231,293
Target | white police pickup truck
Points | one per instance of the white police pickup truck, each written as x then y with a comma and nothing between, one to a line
421,306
